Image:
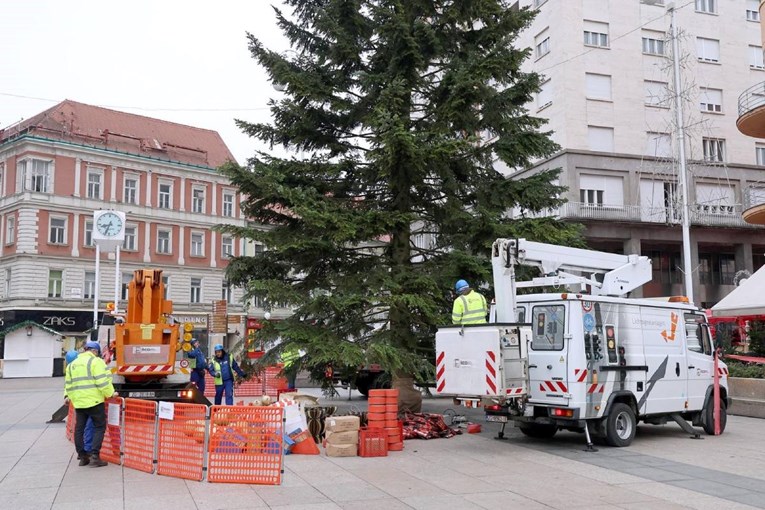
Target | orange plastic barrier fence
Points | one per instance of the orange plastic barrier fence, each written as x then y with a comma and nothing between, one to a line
140,434
245,444
182,442
70,417
111,446
267,382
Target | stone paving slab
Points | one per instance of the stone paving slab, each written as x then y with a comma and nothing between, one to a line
663,469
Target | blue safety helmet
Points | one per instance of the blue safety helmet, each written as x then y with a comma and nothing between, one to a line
218,347
461,285
93,345
71,356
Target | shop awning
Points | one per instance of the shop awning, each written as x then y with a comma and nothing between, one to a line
746,299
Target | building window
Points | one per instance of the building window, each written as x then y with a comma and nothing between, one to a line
94,184
598,86
10,230
57,231
714,150
656,94
711,100
591,197
542,44
714,199
600,139
652,2
55,283
226,291
163,241
90,285
8,278
226,247
228,205
198,200
538,3
717,268
752,10
166,283
36,175
197,244
707,50
544,96
652,45
659,145
131,190
196,290
759,151
755,57
665,267
129,244
126,279
707,6
88,233
596,34
165,190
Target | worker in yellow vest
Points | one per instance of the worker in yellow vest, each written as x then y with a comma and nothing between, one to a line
470,307
88,384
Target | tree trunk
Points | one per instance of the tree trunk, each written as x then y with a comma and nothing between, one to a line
409,398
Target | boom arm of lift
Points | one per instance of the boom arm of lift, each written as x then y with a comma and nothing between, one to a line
606,274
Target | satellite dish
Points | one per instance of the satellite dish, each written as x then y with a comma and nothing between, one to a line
740,277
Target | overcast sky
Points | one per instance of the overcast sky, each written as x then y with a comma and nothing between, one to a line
169,59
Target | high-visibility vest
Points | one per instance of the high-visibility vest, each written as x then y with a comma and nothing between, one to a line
470,309
218,374
88,381
290,356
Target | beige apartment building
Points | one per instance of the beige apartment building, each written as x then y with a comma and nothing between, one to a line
608,93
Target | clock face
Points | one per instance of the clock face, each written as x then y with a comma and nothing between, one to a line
109,224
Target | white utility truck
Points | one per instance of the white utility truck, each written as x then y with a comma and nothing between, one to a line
586,357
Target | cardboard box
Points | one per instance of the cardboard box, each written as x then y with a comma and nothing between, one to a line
342,423
342,450
344,437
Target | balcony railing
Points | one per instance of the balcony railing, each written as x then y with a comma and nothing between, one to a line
700,214
751,120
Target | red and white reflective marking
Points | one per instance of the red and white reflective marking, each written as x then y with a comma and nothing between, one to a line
491,373
440,369
143,369
722,371
596,388
580,374
515,391
553,386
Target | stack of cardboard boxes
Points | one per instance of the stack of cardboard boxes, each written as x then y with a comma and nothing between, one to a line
342,436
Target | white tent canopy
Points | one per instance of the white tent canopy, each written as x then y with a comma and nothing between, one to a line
746,299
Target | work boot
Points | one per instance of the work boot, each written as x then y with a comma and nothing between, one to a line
95,461
84,459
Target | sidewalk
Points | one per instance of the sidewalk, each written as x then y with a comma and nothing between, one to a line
662,470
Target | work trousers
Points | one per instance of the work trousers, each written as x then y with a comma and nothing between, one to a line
198,378
228,386
96,413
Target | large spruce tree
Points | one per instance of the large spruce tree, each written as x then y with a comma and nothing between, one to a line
398,112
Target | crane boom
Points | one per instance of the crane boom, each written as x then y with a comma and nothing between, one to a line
606,274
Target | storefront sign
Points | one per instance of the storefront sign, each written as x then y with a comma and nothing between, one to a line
59,320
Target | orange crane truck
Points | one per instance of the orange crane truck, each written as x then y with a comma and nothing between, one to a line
148,350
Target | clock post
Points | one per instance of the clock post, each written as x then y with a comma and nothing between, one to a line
108,236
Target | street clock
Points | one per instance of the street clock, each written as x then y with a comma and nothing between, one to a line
108,229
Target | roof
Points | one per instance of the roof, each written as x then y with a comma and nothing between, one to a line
746,299
24,324
125,132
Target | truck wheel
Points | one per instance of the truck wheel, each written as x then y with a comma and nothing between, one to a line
362,385
621,425
538,430
709,417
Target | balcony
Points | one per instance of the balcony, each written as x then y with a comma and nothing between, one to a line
702,215
754,206
751,111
